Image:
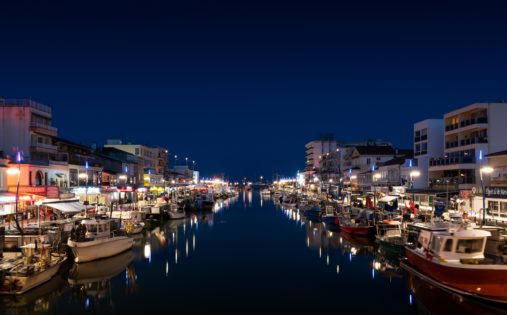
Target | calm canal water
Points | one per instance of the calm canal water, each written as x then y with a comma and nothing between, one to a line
249,255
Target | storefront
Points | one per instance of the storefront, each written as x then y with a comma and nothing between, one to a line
496,203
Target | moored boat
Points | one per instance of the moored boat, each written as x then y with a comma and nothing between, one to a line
18,276
454,259
93,239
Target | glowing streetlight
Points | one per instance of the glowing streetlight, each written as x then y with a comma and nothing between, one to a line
413,174
484,170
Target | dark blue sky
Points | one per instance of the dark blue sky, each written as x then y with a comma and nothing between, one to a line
241,86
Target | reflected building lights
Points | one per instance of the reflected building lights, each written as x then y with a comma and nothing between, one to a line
337,269
176,256
193,243
147,251
166,268
186,248
327,260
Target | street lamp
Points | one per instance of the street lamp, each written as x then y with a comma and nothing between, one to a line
376,177
484,170
85,177
351,177
413,175
16,171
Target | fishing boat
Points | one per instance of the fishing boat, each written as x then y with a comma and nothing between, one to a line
289,201
360,225
36,267
330,217
454,259
93,239
176,212
390,237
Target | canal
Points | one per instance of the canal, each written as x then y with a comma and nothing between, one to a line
247,255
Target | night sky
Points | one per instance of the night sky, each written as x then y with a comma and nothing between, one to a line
241,86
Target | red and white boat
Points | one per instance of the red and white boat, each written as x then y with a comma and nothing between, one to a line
454,259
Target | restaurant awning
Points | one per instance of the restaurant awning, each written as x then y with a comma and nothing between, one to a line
66,207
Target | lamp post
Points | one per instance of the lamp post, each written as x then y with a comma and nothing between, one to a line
413,175
484,170
351,177
376,177
85,177
14,171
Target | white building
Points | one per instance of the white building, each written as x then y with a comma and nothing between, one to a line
470,134
148,156
428,143
26,126
316,149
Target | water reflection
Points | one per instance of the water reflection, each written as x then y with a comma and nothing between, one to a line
91,282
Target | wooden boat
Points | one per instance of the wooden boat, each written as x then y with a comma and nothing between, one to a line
93,239
18,276
455,260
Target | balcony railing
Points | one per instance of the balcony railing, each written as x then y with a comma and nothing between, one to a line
451,161
466,122
42,126
452,144
473,141
26,103
44,146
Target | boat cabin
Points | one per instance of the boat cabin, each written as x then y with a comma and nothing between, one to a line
90,229
457,247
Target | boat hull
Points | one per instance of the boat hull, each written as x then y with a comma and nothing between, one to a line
358,230
98,249
176,215
482,281
32,281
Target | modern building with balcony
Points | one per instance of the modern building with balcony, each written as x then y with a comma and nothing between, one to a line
316,149
26,126
470,133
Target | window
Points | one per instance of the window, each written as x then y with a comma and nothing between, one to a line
368,161
448,245
503,209
417,133
493,205
137,151
424,132
424,147
417,148
469,246
378,158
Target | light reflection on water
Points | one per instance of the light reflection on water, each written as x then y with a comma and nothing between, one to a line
265,254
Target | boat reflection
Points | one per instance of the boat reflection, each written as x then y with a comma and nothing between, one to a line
429,299
91,282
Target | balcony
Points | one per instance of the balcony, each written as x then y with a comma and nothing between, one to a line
466,122
43,129
475,140
451,161
44,148
452,144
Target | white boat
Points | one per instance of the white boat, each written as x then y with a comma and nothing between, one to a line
20,276
265,192
175,212
94,240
